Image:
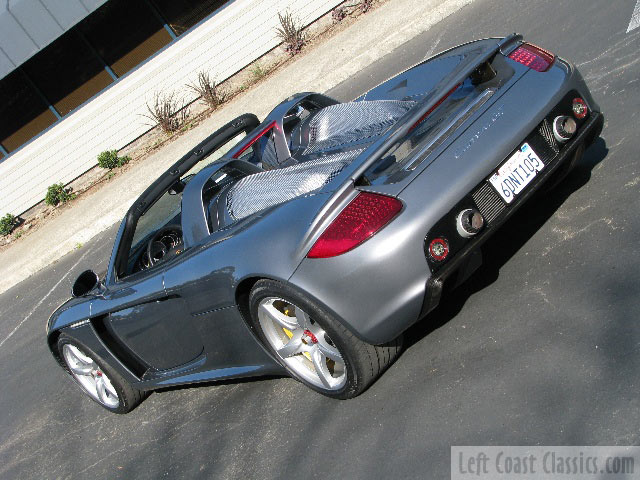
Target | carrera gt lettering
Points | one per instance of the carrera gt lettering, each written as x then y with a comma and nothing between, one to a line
492,120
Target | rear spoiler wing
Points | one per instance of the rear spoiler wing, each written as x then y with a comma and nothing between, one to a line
406,123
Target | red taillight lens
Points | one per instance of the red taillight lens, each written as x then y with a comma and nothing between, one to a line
533,57
360,220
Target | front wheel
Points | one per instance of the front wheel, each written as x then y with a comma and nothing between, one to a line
101,383
312,345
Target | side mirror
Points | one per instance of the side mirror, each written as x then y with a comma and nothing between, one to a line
86,281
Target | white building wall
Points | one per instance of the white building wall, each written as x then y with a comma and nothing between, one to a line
238,34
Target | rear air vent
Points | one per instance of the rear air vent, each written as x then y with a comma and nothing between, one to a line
488,202
547,133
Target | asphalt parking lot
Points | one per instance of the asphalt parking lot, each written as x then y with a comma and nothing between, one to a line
540,347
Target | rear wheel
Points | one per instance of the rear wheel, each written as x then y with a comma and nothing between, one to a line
101,383
313,345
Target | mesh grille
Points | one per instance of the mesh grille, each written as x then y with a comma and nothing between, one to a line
266,189
488,202
345,123
547,134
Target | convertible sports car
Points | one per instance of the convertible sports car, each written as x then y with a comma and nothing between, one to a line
308,243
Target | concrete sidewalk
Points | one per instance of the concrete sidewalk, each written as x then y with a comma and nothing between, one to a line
374,35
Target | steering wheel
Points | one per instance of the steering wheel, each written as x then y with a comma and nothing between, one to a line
166,241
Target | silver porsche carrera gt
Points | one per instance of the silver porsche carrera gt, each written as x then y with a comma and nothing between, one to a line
306,244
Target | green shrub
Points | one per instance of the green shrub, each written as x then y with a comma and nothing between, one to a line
109,159
258,73
7,224
56,194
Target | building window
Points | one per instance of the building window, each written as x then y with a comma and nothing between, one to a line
124,34
67,72
23,112
85,60
181,15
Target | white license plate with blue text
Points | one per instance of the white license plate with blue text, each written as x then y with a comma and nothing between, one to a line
516,173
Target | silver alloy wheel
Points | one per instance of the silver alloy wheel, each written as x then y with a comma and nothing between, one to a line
90,376
301,343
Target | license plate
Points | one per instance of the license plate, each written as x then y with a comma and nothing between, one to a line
516,173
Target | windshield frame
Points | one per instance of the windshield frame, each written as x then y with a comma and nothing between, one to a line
119,259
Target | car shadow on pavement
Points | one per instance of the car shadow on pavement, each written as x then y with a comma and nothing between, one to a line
507,241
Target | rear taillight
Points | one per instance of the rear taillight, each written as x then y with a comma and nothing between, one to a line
533,57
360,220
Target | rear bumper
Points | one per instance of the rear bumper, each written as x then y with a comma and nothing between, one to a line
587,134
385,285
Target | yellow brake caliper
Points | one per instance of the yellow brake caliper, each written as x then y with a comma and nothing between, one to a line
289,312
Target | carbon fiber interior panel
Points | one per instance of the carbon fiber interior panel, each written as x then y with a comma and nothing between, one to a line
345,123
265,189
269,157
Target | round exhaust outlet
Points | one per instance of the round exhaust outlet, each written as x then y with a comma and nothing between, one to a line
563,128
469,222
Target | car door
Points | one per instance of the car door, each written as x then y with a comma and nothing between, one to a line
139,313
152,325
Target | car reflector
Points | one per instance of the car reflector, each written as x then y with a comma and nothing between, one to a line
533,57
359,221
439,248
580,109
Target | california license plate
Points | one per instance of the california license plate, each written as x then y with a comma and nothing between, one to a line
516,173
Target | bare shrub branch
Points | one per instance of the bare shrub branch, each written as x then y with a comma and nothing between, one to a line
366,5
343,11
167,112
338,14
290,32
209,90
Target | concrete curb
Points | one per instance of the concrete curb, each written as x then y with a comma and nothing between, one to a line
372,37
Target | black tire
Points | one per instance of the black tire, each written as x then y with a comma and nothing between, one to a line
364,363
128,396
